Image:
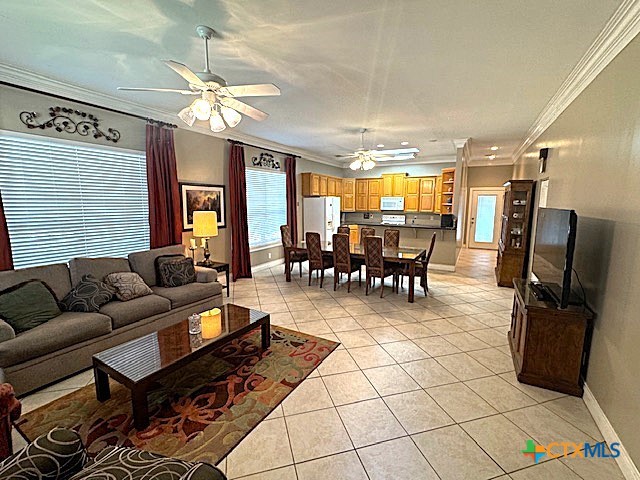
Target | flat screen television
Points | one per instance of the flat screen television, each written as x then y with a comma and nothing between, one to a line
553,253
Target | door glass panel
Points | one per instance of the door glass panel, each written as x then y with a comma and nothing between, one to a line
485,216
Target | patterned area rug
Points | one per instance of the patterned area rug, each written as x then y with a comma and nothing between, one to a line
199,413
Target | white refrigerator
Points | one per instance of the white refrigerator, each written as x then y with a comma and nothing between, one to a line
322,215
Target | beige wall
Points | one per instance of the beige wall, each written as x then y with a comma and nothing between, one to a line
487,176
594,168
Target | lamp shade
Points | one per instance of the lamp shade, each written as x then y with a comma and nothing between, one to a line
205,224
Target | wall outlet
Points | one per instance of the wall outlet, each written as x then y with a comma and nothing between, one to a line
269,254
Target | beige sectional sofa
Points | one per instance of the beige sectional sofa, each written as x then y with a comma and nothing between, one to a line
64,345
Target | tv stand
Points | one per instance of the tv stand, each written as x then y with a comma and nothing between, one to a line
541,293
549,346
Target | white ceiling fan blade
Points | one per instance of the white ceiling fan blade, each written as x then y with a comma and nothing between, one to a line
351,155
258,90
396,151
185,73
248,110
173,90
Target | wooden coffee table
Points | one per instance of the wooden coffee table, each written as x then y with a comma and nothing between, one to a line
139,363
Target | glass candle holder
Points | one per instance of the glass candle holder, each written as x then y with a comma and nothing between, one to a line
195,323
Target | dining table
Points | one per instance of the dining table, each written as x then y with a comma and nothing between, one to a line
398,255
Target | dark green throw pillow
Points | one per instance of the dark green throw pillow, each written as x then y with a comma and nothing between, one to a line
27,305
88,295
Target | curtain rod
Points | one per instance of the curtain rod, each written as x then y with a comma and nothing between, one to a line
262,148
113,110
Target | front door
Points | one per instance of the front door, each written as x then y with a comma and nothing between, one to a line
484,217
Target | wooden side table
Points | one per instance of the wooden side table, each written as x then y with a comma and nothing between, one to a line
219,267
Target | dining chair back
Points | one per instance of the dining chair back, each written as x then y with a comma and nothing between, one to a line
366,232
344,229
392,237
342,260
299,257
317,261
374,262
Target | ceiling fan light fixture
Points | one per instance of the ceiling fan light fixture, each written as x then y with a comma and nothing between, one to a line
230,116
201,109
356,164
216,123
187,116
368,164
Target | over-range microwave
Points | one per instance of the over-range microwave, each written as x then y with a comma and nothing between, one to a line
392,203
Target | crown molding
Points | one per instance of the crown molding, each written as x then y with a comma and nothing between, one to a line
619,30
460,142
418,161
35,81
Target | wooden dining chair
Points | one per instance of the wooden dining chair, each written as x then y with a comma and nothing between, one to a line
376,267
366,232
391,237
342,261
422,264
285,235
317,261
344,229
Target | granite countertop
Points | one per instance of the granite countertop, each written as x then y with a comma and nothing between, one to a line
406,225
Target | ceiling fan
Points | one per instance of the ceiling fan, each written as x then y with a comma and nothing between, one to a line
365,159
216,100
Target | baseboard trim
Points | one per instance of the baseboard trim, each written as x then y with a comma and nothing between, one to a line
629,469
271,264
441,267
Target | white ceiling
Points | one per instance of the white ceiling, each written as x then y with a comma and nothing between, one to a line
407,70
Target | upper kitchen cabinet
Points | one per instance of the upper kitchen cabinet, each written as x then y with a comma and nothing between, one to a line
411,194
331,187
362,195
310,185
324,186
375,187
348,194
427,194
393,184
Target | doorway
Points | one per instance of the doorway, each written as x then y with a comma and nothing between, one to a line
485,214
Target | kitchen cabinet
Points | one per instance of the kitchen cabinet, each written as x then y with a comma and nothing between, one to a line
375,187
348,195
448,182
411,194
427,196
310,185
323,185
331,186
362,195
393,184
438,198
387,184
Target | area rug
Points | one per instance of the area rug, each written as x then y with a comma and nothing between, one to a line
199,413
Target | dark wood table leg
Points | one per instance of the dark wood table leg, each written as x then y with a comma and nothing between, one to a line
140,408
412,283
227,275
266,334
102,384
287,264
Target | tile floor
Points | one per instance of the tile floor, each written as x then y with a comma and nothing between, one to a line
415,391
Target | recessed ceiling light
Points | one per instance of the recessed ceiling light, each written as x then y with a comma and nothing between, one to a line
433,140
494,148
380,145
404,143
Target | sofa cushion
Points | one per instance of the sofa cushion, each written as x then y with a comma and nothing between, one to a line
122,463
125,313
69,328
176,272
56,276
88,295
128,285
186,294
6,332
144,263
57,454
27,305
98,267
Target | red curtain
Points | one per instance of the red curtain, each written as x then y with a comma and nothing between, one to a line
292,210
164,193
240,255
6,260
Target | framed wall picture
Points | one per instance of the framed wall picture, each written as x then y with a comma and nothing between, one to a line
202,196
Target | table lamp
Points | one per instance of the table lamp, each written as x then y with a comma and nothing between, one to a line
205,226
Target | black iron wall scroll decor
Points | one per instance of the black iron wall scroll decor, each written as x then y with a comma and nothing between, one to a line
71,121
265,160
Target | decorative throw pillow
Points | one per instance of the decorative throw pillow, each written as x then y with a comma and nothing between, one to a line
27,305
160,260
176,272
128,285
88,295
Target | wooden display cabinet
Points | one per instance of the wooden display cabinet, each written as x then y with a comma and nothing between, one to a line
549,346
438,198
515,236
448,182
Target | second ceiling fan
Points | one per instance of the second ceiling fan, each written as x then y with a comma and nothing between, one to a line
365,159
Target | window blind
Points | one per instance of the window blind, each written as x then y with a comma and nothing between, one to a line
266,206
66,199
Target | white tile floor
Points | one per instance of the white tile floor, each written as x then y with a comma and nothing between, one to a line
415,391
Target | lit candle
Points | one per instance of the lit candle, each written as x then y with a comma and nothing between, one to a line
192,243
211,323
204,243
